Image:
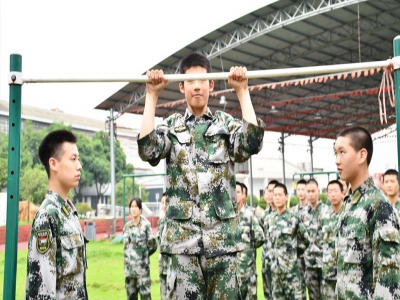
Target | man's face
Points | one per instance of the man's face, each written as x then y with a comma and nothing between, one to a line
239,194
312,193
279,197
391,185
135,210
347,159
163,206
335,195
197,92
67,168
301,191
268,193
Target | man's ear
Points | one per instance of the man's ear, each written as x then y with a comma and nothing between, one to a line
363,153
182,87
211,85
52,163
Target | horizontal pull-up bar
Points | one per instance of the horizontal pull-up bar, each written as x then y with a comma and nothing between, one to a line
15,78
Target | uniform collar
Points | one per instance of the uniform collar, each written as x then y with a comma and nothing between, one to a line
207,115
360,191
65,206
138,224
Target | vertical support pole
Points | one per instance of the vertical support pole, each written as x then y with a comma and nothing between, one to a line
14,157
396,52
124,197
251,181
112,159
282,142
312,155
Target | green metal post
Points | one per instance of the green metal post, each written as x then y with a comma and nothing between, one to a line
14,154
396,52
124,196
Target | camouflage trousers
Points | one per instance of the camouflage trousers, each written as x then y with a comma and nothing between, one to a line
266,277
138,285
248,288
198,277
302,269
328,289
313,278
286,286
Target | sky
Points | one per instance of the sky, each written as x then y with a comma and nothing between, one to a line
83,39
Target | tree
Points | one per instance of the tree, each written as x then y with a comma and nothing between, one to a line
128,190
3,159
255,200
33,185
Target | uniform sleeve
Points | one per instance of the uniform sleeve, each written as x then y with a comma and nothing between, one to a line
41,268
246,139
156,145
258,233
386,253
303,239
151,240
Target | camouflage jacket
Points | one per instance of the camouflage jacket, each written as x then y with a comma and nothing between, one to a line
397,207
327,242
259,213
297,209
139,244
288,238
162,258
252,238
56,252
311,219
368,246
268,213
201,191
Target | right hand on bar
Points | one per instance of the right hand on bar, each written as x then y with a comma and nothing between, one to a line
158,82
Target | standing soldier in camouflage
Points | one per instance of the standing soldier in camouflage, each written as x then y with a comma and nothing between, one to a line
302,195
310,216
288,238
266,264
252,237
56,249
368,243
139,244
327,240
162,258
201,148
391,186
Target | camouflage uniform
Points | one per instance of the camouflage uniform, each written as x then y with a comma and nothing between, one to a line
288,237
139,244
313,255
327,243
162,261
266,263
201,187
56,252
259,212
300,259
368,246
252,237
397,207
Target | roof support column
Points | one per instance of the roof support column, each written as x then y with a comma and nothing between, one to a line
282,149
396,52
310,142
112,162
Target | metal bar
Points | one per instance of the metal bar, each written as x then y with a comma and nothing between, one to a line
112,163
14,157
251,181
396,54
224,75
124,197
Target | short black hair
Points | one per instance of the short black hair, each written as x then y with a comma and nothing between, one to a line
391,172
240,184
360,138
52,146
273,181
138,202
311,181
194,60
282,186
336,182
301,181
244,188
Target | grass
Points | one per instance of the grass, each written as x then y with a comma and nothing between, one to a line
105,275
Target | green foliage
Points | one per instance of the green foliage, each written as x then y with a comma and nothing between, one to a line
255,200
323,198
294,200
33,185
262,202
128,192
82,208
3,159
